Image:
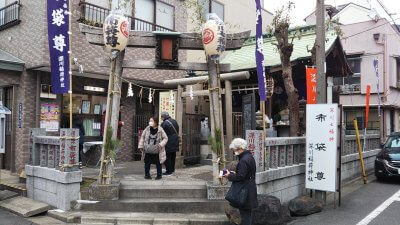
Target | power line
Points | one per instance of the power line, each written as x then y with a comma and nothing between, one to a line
369,29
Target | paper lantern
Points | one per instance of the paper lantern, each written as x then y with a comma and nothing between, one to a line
213,36
116,32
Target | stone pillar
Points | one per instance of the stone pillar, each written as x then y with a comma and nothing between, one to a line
179,119
228,116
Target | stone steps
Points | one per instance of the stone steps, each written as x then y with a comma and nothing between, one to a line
154,218
156,205
164,191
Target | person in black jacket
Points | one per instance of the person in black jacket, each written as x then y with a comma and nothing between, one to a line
245,173
171,128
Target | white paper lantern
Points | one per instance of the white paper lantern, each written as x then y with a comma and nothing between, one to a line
213,36
116,32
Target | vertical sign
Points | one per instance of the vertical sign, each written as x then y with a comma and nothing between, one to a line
260,54
57,25
321,146
69,146
376,63
367,105
63,147
249,112
311,76
255,144
167,103
20,115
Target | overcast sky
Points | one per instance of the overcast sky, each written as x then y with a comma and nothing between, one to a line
304,7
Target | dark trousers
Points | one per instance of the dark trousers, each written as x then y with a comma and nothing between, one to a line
147,169
170,162
245,216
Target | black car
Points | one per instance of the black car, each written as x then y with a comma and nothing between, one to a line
387,163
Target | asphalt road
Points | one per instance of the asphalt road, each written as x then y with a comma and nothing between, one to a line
7,218
376,203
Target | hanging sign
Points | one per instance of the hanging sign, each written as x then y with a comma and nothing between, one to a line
367,105
376,64
57,25
255,144
260,54
311,76
321,147
116,32
213,36
167,103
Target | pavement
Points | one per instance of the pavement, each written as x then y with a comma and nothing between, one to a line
376,203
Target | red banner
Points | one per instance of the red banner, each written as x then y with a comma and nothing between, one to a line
311,75
367,104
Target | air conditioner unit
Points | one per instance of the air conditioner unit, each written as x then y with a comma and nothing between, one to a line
379,38
45,91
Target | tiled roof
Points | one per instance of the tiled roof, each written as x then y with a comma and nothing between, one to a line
244,58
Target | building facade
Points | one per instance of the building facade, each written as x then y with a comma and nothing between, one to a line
25,73
366,37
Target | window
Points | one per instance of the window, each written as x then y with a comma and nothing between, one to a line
398,72
165,15
145,10
155,12
216,7
355,65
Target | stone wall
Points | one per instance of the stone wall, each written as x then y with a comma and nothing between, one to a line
289,182
52,186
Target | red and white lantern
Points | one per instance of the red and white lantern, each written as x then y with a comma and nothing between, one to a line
213,36
116,32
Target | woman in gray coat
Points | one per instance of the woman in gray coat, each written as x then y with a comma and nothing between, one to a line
152,145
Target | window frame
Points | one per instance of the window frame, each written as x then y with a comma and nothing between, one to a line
354,59
223,6
155,13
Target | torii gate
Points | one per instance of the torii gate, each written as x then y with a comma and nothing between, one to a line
186,41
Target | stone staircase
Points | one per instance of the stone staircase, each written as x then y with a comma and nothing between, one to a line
156,202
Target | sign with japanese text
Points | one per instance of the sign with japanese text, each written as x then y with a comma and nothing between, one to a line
57,25
255,144
260,53
116,30
69,146
321,147
49,116
311,76
213,36
167,103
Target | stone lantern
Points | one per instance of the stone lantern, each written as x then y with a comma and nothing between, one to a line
3,112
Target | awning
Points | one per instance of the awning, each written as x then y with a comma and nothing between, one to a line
3,109
10,62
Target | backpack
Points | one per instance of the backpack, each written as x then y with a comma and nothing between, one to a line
151,147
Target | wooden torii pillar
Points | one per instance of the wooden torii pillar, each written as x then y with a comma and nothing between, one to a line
148,39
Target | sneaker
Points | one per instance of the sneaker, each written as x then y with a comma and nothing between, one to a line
158,178
147,177
167,174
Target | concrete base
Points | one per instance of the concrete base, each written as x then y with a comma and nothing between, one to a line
217,191
6,194
179,161
24,206
104,192
52,186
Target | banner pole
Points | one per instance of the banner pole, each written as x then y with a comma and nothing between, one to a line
264,130
70,60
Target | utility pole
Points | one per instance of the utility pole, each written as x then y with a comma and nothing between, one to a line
320,60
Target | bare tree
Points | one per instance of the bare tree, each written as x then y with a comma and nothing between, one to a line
280,29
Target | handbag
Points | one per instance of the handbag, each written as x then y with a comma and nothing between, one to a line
238,194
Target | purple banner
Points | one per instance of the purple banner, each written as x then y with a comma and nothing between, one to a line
376,63
57,24
260,54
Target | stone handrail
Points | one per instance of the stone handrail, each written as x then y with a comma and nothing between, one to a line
289,151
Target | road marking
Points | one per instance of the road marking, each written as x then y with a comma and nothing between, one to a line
380,209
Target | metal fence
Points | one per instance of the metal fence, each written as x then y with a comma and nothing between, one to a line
237,119
9,15
289,151
95,15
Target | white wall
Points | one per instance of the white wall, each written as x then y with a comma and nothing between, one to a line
352,14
